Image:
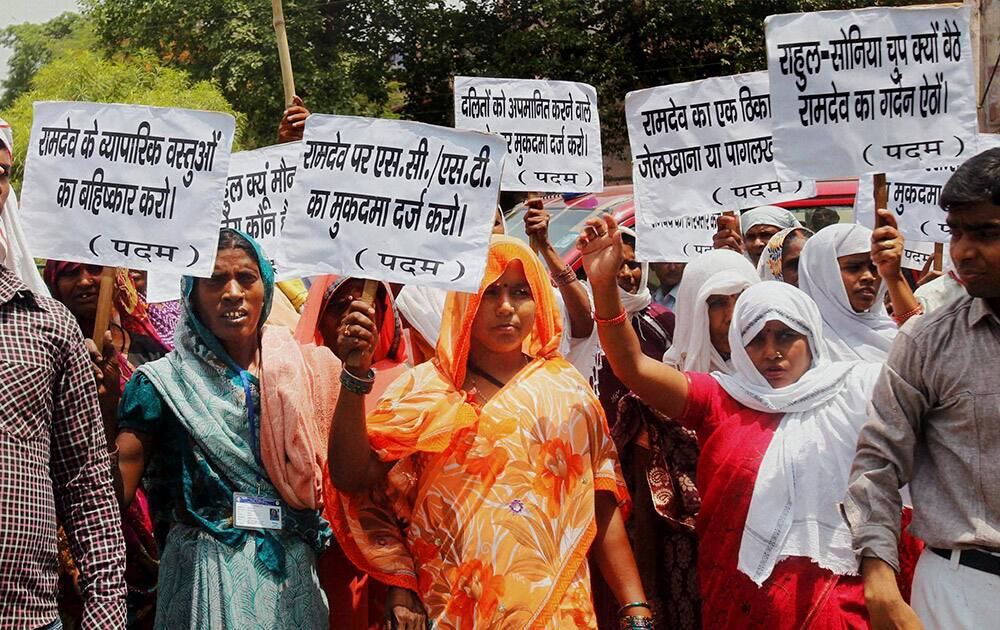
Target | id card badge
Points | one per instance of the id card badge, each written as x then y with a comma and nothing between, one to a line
253,512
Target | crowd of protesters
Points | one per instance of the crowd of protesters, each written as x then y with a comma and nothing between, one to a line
757,442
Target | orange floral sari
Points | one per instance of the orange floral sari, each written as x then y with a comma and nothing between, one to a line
489,512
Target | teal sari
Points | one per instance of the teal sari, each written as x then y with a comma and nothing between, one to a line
203,410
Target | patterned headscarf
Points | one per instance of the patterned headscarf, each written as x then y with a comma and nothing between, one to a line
769,266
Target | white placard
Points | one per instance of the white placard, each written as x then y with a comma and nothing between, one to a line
552,130
988,141
257,191
162,287
913,197
393,200
916,254
126,185
871,90
705,146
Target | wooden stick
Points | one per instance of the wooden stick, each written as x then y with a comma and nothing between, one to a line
881,190
104,299
287,78
938,256
368,297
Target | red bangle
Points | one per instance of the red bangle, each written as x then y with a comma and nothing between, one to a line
902,319
614,321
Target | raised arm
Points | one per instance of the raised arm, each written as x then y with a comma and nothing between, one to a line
536,226
354,467
887,256
657,384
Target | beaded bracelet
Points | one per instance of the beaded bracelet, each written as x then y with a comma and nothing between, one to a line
621,611
635,622
360,386
901,319
617,320
563,277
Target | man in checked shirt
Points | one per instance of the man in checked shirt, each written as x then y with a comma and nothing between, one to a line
53,460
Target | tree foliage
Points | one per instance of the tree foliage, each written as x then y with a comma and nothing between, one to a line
34,45
232,43
83,75
393,58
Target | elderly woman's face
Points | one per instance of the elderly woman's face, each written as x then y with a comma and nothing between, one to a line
780,354
231,302
506,313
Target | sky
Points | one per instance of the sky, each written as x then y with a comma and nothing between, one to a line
18,11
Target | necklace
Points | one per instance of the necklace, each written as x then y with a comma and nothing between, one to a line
489,377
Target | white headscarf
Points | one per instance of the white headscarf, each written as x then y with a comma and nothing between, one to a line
635,302
803,475
14,255
718,272
768,215
850,335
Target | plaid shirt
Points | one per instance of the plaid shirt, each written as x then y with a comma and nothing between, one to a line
53,463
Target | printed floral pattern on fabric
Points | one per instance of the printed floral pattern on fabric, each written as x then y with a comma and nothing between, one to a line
489,510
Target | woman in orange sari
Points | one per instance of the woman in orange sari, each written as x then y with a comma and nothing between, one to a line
486,475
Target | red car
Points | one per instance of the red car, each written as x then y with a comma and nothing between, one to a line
569,215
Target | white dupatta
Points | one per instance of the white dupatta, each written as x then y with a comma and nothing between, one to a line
803,475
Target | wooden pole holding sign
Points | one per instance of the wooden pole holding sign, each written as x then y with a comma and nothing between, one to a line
938,256
881,194
104,299
287,79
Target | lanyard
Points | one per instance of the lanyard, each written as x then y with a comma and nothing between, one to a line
252,421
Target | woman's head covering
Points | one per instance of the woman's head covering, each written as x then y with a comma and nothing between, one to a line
768,215
803,475
782,302
460,309
14,254
718,272
210,395
769,265
130,307
391,344
851,335
195,325
638,301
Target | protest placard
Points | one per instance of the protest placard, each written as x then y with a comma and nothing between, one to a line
552,130
675,240
126,185
988,141
162,287
916,254
257,191
393,200
913,196
870,90
705,146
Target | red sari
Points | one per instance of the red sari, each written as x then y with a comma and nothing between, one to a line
798,594
357,602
